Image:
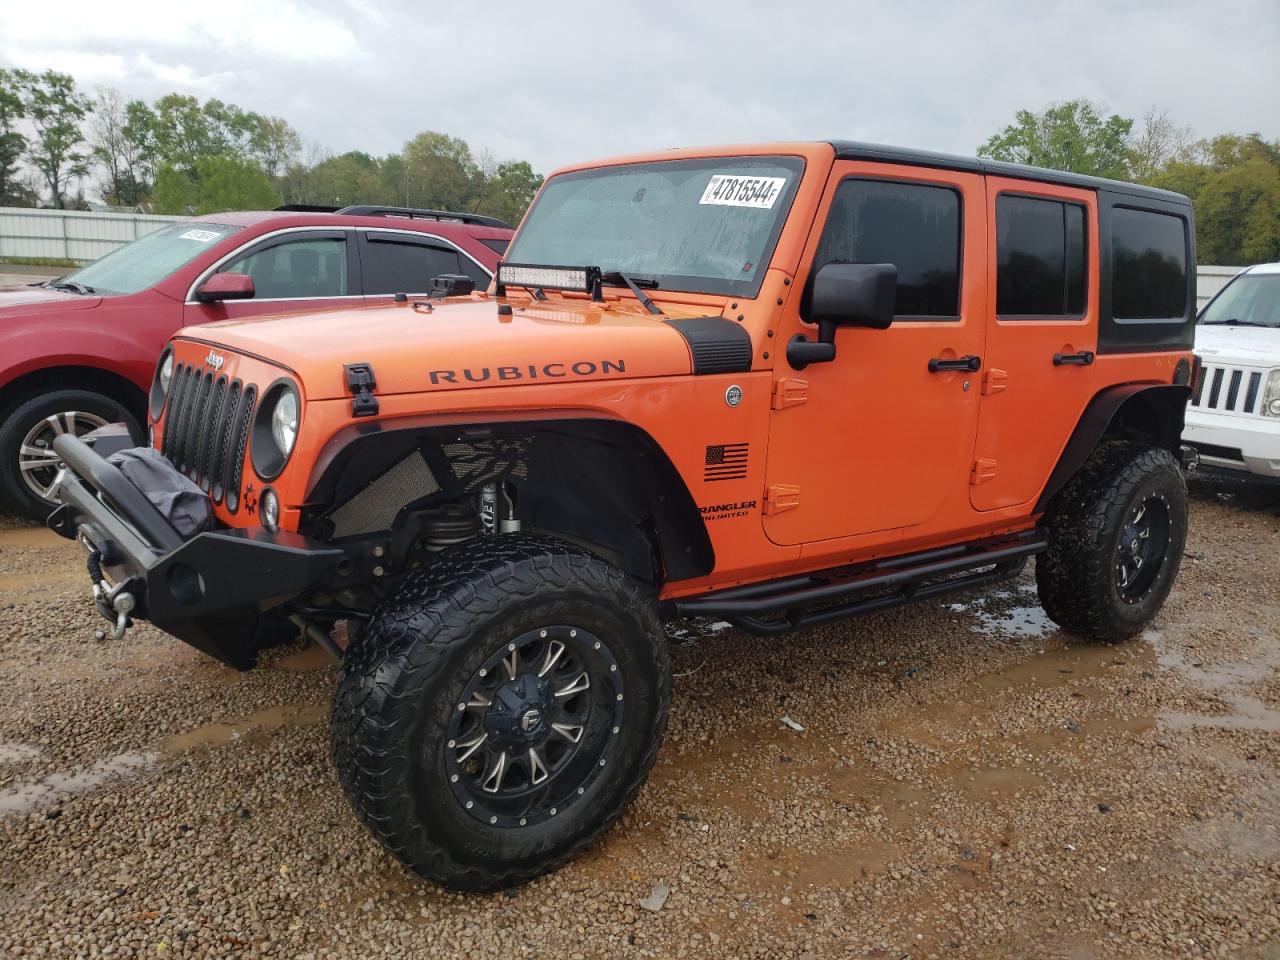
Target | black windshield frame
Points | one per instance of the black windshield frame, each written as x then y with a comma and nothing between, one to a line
682,283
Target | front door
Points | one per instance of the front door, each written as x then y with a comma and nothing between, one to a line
298,270
883,438
1041,337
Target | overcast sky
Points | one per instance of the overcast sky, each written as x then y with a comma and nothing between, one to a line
554,82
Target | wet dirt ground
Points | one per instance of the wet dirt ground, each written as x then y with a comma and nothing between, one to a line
968,782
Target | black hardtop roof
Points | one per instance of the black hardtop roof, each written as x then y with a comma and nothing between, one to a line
880,153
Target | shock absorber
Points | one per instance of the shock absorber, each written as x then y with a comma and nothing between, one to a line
489,509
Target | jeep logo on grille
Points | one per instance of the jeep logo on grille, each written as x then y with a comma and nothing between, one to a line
215,360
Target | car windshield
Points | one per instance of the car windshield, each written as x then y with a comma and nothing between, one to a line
148,260
1252,300
706,226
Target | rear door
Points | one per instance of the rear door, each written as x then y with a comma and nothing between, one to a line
883,438
1042,335
402,262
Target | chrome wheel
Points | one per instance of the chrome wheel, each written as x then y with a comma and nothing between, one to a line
1144,542
37,462
534,727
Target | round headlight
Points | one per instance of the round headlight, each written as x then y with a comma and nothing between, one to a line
284,422
269,509
160,384
1273,407
275,428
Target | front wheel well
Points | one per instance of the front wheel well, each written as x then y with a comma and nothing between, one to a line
32,384
604,485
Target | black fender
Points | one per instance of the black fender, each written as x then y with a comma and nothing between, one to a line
602,483
1155,413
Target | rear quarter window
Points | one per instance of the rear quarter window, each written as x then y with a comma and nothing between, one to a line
1148,265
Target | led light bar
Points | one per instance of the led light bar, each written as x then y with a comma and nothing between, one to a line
582,279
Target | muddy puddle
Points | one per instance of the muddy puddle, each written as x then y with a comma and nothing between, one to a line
255,725
31,536
25,797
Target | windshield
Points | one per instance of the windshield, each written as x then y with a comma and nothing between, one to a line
706,226
1251,300
148,260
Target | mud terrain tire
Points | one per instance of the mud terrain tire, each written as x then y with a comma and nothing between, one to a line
444,631
1116,535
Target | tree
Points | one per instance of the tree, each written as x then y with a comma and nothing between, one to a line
1234,185
56,111
272,143
12,143
121,147
1159,143
508,190
220,184
1072,135
439,172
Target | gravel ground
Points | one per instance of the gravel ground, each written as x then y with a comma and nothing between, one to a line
968,783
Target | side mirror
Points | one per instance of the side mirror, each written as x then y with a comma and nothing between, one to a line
451,285
844,295
226,286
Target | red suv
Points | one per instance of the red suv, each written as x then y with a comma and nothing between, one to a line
80,351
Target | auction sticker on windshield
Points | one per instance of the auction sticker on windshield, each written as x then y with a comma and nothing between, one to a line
204,236
731,191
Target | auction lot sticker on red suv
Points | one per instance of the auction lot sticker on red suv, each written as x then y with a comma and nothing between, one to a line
731,191
203,236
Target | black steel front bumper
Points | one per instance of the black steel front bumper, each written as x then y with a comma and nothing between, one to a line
211,590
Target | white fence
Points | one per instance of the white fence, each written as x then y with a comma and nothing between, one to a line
71,234
1209,280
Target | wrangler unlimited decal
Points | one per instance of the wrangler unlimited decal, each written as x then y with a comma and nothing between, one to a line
727,511
532,371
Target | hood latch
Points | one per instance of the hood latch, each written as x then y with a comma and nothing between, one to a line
361,383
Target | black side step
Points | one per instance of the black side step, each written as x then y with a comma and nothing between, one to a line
778,606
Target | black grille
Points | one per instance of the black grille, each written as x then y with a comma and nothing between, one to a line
726,461
206,430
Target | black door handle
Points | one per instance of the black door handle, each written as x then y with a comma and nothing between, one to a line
1082,359
969,363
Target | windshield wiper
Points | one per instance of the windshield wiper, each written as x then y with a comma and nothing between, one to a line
616,277
73,286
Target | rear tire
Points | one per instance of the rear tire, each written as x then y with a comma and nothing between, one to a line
1116,535
30,427
456,655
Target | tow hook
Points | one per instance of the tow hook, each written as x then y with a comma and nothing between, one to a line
122,602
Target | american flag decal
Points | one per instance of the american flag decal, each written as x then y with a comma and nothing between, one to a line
726,461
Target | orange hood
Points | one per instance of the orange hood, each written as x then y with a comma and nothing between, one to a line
461,344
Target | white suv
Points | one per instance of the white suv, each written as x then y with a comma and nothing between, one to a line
1234,417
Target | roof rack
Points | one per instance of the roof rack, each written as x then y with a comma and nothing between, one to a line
413,213
304,208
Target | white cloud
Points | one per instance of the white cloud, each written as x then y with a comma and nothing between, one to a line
555,83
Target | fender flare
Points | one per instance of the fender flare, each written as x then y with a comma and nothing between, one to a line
1152,411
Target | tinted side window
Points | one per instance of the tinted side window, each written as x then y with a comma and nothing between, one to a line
1148,265
296,268
473,270
394,266
498,246
913,226
1040,249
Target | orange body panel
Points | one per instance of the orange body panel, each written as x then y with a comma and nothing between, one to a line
865,456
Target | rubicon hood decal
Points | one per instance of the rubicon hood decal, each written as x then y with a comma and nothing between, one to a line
460,345
531,371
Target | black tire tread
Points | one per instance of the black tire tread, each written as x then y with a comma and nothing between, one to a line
427,616
1074,576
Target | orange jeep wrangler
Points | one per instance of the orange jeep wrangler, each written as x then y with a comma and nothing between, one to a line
777,385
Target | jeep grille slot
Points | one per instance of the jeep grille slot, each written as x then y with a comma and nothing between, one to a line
240,426
225,427
1228,390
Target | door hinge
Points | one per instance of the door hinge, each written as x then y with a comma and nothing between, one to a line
781,497
994,381
361,383
983,470
790,391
